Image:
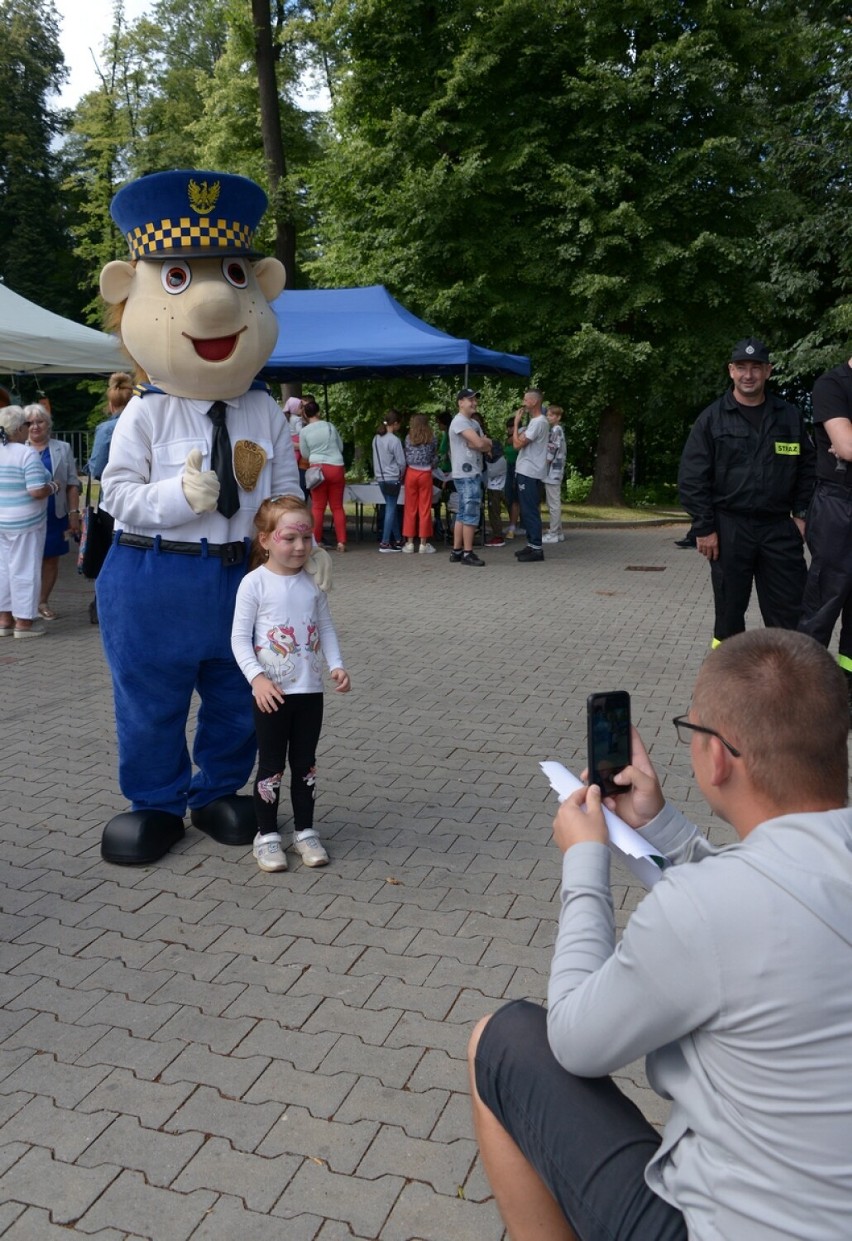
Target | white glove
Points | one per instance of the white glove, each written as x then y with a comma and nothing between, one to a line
318,565
201,487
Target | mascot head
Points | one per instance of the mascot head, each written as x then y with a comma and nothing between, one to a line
196,315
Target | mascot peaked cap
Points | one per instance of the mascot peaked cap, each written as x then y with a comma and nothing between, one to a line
189,214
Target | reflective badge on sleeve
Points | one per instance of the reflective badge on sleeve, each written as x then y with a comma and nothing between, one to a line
787,450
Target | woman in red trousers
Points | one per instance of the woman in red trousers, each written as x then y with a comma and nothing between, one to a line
420,457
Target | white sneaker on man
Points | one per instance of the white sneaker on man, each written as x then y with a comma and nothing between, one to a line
268,852
310,849
550,538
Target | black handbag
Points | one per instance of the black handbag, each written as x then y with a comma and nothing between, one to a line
95,538
389,490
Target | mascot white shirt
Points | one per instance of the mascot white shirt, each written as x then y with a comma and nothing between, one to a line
193,456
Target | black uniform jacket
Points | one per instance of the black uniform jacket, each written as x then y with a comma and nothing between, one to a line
761,472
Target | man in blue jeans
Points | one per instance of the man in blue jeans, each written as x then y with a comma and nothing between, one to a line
531,470
467,444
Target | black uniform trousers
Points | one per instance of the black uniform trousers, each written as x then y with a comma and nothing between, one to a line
828,592
769,552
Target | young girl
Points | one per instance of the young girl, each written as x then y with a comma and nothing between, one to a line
282,630
556,451
420,457
389,468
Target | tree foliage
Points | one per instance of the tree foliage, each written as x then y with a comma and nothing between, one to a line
33,215
179,89
590,184
618,189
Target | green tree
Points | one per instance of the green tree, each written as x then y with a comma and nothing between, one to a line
179,88
35,255
806,240
139,119
252,123
587,184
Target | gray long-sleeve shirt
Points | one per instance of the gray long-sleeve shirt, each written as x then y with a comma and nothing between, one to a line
733,978
388,458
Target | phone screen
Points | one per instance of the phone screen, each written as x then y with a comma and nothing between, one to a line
608,738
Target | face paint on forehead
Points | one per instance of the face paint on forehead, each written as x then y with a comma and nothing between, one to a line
292,527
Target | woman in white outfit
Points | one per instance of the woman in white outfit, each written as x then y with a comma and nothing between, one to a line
24,488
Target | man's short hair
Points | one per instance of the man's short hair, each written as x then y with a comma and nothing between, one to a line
781,699
537,391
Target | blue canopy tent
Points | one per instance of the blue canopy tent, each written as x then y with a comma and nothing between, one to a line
330,335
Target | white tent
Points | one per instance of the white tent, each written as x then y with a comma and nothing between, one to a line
36,341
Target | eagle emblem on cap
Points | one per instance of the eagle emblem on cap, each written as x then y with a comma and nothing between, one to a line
203,197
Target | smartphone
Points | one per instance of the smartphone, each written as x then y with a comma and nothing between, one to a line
608,731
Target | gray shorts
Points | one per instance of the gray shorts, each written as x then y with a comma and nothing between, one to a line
587,1141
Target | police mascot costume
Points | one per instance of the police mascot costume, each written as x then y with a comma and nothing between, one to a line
193,456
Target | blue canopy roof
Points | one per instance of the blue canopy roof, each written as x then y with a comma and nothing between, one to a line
328,335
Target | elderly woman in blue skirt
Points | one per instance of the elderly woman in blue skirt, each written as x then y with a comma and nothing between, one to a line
63,509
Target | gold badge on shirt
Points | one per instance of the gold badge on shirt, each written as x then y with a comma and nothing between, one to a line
249,460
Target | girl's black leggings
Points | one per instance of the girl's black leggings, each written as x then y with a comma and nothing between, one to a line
290,732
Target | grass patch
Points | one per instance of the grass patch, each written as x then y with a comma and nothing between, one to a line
600,512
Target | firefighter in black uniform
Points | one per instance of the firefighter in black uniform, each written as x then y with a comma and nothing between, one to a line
828,593
746,477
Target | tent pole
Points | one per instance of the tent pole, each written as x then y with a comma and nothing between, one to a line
325,399
466,384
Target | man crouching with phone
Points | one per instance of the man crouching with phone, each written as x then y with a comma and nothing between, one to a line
732,978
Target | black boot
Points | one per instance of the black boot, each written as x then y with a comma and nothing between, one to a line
139,837
228,820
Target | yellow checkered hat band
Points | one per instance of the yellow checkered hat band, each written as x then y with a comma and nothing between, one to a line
182,235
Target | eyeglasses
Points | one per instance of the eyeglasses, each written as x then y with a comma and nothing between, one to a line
681,722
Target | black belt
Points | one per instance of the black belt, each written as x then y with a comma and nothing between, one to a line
228,553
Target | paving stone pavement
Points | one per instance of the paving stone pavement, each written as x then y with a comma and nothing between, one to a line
198,1050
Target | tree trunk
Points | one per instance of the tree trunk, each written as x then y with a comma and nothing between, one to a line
273,142
609,458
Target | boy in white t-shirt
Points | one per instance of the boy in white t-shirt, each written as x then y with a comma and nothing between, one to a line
467,444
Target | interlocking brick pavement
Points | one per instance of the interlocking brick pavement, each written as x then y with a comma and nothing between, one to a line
197,1050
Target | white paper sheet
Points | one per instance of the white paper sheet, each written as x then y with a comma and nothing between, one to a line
646,864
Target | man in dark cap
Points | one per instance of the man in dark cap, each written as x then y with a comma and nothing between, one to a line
746,477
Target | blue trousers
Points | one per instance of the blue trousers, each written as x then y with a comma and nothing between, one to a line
390,529
165,621
529,495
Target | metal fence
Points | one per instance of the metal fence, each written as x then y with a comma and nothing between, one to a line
81,443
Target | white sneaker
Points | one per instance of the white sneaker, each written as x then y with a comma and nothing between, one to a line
425,548
268,851
550,538
310,850
409,547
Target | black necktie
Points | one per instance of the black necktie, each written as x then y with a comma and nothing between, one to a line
221,462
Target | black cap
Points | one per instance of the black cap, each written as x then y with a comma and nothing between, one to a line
465,392
750,350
